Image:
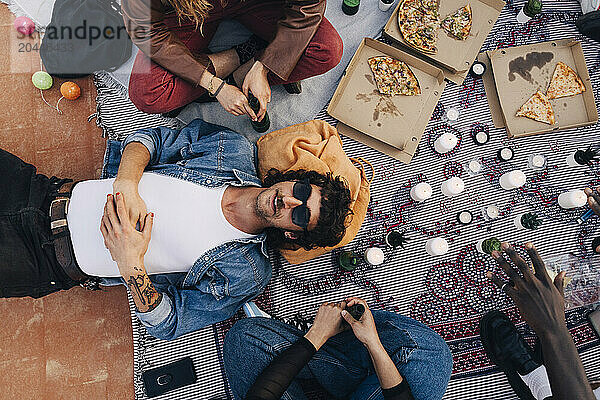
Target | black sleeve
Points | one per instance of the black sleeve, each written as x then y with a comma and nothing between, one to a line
399,392
275,379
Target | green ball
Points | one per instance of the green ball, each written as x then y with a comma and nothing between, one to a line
42,80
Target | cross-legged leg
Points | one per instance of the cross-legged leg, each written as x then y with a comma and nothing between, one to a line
421,356
342,367
28,266
250,346
322,53
154,89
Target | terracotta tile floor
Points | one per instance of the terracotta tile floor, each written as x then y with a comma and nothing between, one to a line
73,344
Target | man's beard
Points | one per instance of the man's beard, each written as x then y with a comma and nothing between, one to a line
258,209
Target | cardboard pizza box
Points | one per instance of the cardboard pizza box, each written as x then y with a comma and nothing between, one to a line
396,121
519,72
491,92
454,56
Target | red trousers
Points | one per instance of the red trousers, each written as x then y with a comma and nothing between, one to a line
155,90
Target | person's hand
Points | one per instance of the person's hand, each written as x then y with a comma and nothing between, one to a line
235,102
594,199
364,329
256,81
135,206
539,300
127,246
328,323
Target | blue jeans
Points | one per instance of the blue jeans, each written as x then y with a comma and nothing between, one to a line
342,367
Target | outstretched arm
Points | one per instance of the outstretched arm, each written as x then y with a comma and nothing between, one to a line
541,303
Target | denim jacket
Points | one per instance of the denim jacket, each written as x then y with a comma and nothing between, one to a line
225,277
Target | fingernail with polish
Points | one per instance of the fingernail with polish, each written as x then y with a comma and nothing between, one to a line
152,215
489,274
529,245
587,191
495,254
118,194
505,246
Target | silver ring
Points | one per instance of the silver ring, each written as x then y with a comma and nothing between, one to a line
503,286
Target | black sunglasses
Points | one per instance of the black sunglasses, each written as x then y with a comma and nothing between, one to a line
301,214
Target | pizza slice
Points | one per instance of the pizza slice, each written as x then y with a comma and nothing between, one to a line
418,22
431,8
565,82
423,40
538,108
408,82
384,76
393,76
459,24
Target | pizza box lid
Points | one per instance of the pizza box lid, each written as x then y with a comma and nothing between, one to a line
517,77
396,121
454,56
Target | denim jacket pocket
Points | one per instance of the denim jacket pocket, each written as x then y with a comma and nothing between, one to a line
218,284
192,150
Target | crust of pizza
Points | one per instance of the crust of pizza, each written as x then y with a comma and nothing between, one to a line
565,82
538,108
393,77
458,24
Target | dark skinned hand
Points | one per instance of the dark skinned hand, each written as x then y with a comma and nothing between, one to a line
594,202
539,300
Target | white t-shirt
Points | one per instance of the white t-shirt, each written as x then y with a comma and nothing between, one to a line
188,221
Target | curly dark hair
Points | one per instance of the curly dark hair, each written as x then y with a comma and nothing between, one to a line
334,212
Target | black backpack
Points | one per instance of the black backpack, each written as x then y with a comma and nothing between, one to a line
85,36
589,25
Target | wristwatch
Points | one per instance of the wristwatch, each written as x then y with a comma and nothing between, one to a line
211,87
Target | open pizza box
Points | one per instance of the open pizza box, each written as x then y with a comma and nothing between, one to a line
513,76
391,124
453,56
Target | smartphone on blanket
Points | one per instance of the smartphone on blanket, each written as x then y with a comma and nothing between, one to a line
169,377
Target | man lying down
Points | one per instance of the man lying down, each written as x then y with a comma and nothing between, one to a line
204,221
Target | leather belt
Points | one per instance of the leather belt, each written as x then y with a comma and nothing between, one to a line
63,247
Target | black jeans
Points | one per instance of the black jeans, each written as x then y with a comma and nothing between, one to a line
28,265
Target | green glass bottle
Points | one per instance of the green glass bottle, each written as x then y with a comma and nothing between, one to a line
259,126
532,8
348,261
491,244
350,7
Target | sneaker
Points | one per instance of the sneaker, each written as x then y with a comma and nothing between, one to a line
508,350
293,88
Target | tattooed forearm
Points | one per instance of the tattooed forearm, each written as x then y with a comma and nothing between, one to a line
145,295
